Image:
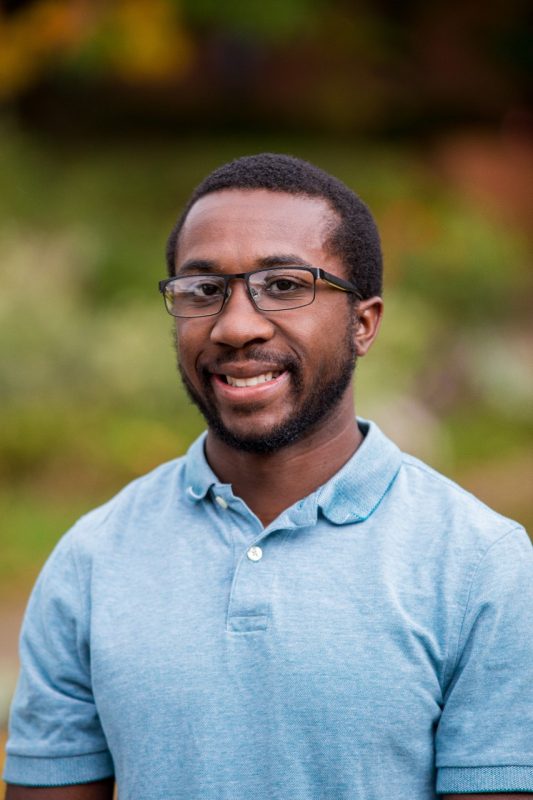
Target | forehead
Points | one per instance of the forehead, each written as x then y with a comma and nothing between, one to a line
239,227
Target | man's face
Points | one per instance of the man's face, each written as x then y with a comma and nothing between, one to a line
297,363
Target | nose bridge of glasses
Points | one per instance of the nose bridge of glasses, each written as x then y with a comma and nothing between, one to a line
250,291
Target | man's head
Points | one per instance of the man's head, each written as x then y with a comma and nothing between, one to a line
352,234
266,379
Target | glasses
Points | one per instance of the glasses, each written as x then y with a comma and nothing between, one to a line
274,289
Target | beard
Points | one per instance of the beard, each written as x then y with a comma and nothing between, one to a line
310,408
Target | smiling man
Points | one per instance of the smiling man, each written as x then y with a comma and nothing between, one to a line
295,610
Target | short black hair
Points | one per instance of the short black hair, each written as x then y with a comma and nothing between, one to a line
355,239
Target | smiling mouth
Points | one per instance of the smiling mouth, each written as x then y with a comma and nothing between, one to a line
255,380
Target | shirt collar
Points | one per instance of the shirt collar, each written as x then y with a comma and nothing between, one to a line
351,495
354,492
198,474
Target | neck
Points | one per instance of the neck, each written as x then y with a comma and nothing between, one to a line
270,483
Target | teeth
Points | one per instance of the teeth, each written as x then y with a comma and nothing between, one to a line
266,376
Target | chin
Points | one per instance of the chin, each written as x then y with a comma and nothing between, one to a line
263,439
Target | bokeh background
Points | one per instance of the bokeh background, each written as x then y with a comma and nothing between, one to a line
110,113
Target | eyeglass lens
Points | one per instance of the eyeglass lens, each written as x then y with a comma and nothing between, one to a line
270,289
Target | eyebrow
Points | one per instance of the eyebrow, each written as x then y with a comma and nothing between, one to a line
197,265
204,265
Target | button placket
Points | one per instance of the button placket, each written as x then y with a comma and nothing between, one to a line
250,599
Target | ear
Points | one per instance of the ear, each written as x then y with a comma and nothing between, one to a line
367,321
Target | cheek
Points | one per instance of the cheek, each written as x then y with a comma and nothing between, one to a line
189,340
322,340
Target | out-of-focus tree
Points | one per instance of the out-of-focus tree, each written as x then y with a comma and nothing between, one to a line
337,65
131,40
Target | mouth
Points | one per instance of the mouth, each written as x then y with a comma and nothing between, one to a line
249,388
253,380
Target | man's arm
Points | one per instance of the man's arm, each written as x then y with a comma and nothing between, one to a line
98,790
56,737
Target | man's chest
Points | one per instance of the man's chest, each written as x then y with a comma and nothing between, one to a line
325,642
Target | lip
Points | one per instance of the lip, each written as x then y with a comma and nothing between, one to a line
248,394
246,369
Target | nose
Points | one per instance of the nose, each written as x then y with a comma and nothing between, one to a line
240,322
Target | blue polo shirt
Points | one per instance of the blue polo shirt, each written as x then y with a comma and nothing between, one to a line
373,642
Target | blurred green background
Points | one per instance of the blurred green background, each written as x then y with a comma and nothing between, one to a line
111,112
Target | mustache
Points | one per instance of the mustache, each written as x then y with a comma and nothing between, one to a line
280,362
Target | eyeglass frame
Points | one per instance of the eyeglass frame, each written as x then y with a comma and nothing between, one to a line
316,272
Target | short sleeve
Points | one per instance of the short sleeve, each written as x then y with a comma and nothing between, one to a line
484,741
55,735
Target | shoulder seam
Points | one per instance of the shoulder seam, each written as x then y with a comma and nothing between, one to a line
102,512
450,671
438,477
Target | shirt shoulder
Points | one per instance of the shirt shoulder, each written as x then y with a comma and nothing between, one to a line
457,511
146,497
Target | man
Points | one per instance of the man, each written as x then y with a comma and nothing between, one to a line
295,610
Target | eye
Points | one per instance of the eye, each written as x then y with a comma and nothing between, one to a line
197,290
282,285
286,283
206,289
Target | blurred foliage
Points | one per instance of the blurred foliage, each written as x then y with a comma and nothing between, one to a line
334,65
275,21
90,395
129,39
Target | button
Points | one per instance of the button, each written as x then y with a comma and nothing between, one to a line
255,553
221,502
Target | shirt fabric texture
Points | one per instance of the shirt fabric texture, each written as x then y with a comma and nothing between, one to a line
378,646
